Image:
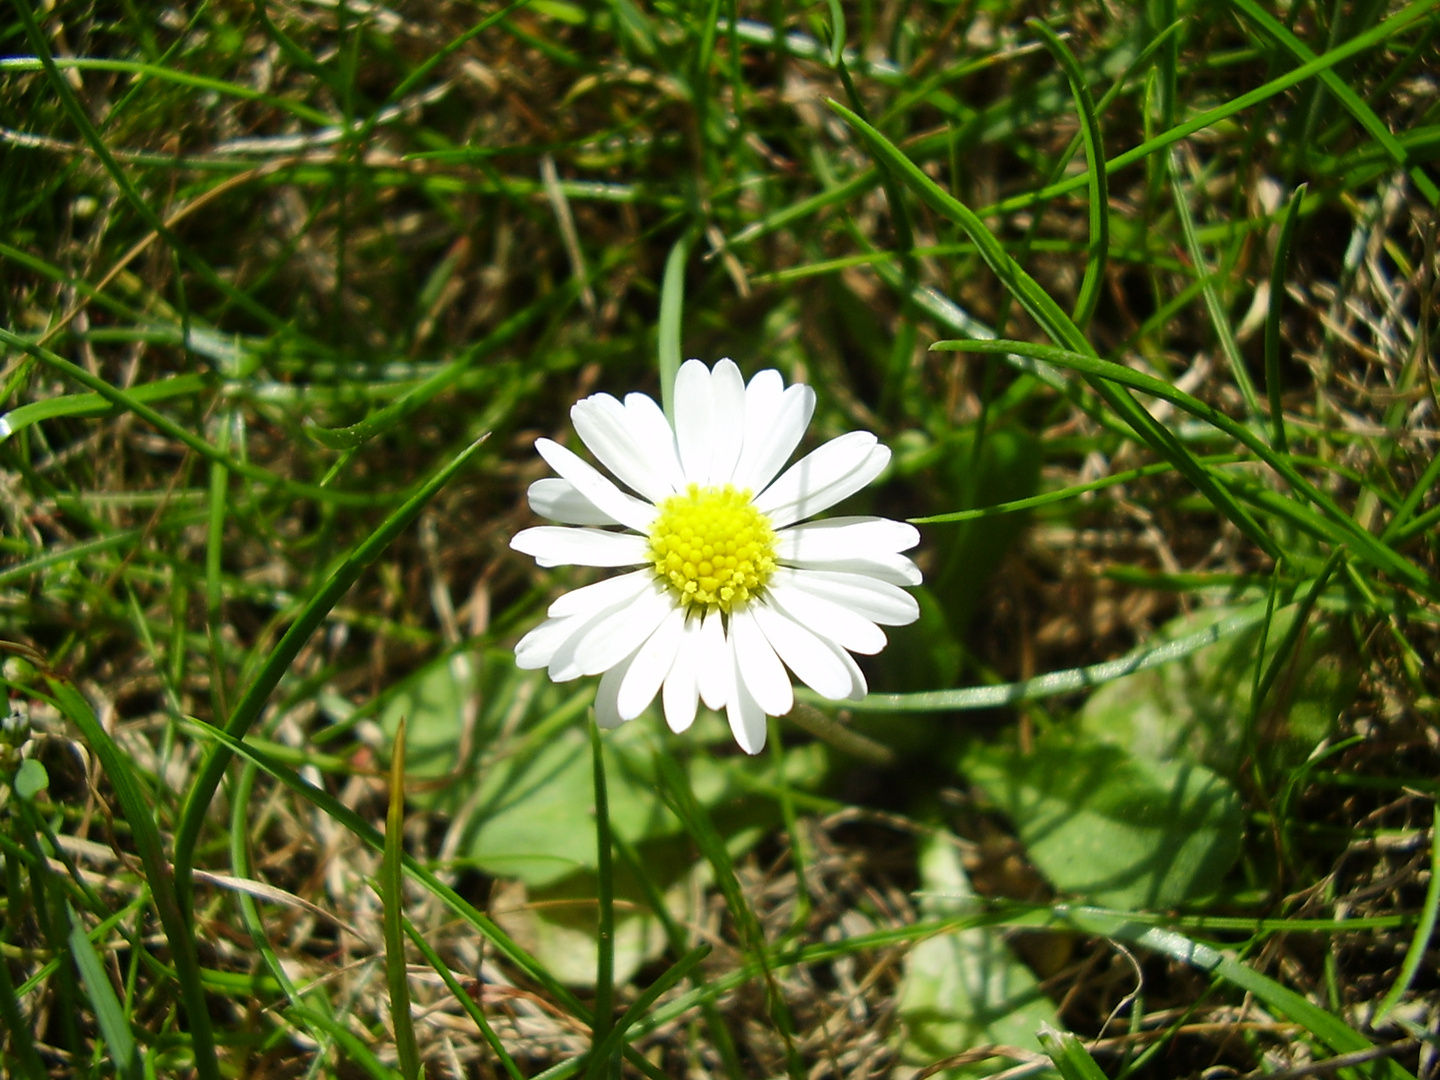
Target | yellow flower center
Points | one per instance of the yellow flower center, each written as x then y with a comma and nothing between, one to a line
712,547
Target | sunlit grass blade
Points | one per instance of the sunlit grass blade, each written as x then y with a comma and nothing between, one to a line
672,309
1374,551
125,400
1058,325
1099,249
382,420
1325,1026
1397,23
1209,287
1347,97
1069,1055
1279,269
1058,682
1424,930
647,998
369,835
110,1015
356,1052
146,836
600,1063
89,405
248,708
466,1001
392,898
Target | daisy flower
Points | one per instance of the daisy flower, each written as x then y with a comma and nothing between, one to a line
731,588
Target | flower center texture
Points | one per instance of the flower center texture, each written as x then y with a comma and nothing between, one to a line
712,546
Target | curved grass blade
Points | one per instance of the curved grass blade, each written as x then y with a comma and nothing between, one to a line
247,709
146,837
1272,318
1206,278
1325,1026
95,405
347,438
468,1003
1058,682
1375,552
605,898
365,832
1415,954
682,967
1069,1054
109,1013
672,308
1347,97
127,400
1398,22
1099,248
1058,326
392,898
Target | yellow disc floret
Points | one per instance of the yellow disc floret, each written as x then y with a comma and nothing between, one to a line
712,546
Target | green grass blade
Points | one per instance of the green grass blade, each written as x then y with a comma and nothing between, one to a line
397,412
23,1056
95,405
1069,1054
1099,248
605,898
1325,1026
109,1013
356,1052
126,400
363,830
1058,325
1398,22
465,1000
1347,97
1374,551
247,709
1057,682
1214,307
392,898
642,1004
1278,271
672,310
146,837
1415,953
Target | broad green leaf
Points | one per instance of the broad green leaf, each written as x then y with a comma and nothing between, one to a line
1118,830
965,988
30,779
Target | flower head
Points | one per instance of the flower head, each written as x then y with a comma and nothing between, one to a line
732,588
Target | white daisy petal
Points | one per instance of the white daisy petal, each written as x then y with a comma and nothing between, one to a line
622,631
895,569
757,665
654,433
713,675
607,712
727,397
537,648
830,620
694,421
845,538
591,599
609,499
746,715
651,664
823,477
564,665
878,601
606,428
556,545
559,500
774,426
811,658
682,694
